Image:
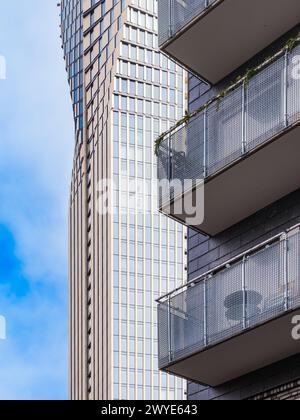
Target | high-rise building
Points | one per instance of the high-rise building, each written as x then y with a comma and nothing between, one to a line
233,329
123,253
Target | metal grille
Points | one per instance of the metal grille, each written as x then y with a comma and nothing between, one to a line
294,271
187,322
224,131
262,285
294,86
250,115
163,334
225,304
265,284
265,104
164,21
163,172
181,159
184,11
173,15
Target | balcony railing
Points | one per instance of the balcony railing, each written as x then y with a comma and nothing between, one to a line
239,296
253,113
173,15
213,38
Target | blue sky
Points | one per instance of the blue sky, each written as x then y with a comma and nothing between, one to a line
36,147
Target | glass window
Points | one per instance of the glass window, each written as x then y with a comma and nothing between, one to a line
134,16
142,19
141,72
132,70
133,35
142,37
132,87
133,53
125,50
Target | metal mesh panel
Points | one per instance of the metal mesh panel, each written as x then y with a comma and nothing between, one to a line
224,304
187,150
164,15
163,172
187,321
265,104
294,271
173,15
224,131
294,86
178,161
265,284
163,334
185,11
259,287
181,158
241,121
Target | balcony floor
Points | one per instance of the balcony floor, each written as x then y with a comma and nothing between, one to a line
250,184
230,33
238,356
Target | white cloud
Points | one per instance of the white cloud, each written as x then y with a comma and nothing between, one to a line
36,136
34,355
2,327
2,68
36,147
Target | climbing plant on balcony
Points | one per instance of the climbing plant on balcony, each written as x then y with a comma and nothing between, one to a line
246,78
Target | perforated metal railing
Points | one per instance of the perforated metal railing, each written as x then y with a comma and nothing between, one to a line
258,286
250,115
175,14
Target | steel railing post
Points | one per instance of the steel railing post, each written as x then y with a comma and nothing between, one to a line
205,169
169,329
285,273
285,89
205,313
171,16
244,140
244,293
170,166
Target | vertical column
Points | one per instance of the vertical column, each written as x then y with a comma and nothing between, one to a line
171,17
205,168
244,116
205,313
244,288
169,329
285,272
285,89
170,154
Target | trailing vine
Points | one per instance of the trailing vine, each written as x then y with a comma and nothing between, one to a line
249,75
246,78
158,143
292,42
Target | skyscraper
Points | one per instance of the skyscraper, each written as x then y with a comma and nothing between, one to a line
123,254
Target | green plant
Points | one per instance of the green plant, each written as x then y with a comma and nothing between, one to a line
182,121
292,42
158,143
250,74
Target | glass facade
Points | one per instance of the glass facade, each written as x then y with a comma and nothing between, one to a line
73,52
148,248
131,93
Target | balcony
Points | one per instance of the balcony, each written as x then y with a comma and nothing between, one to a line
238,154
215,37
235,319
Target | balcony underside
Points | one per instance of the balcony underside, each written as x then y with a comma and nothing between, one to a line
249,185
245,353
230,33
